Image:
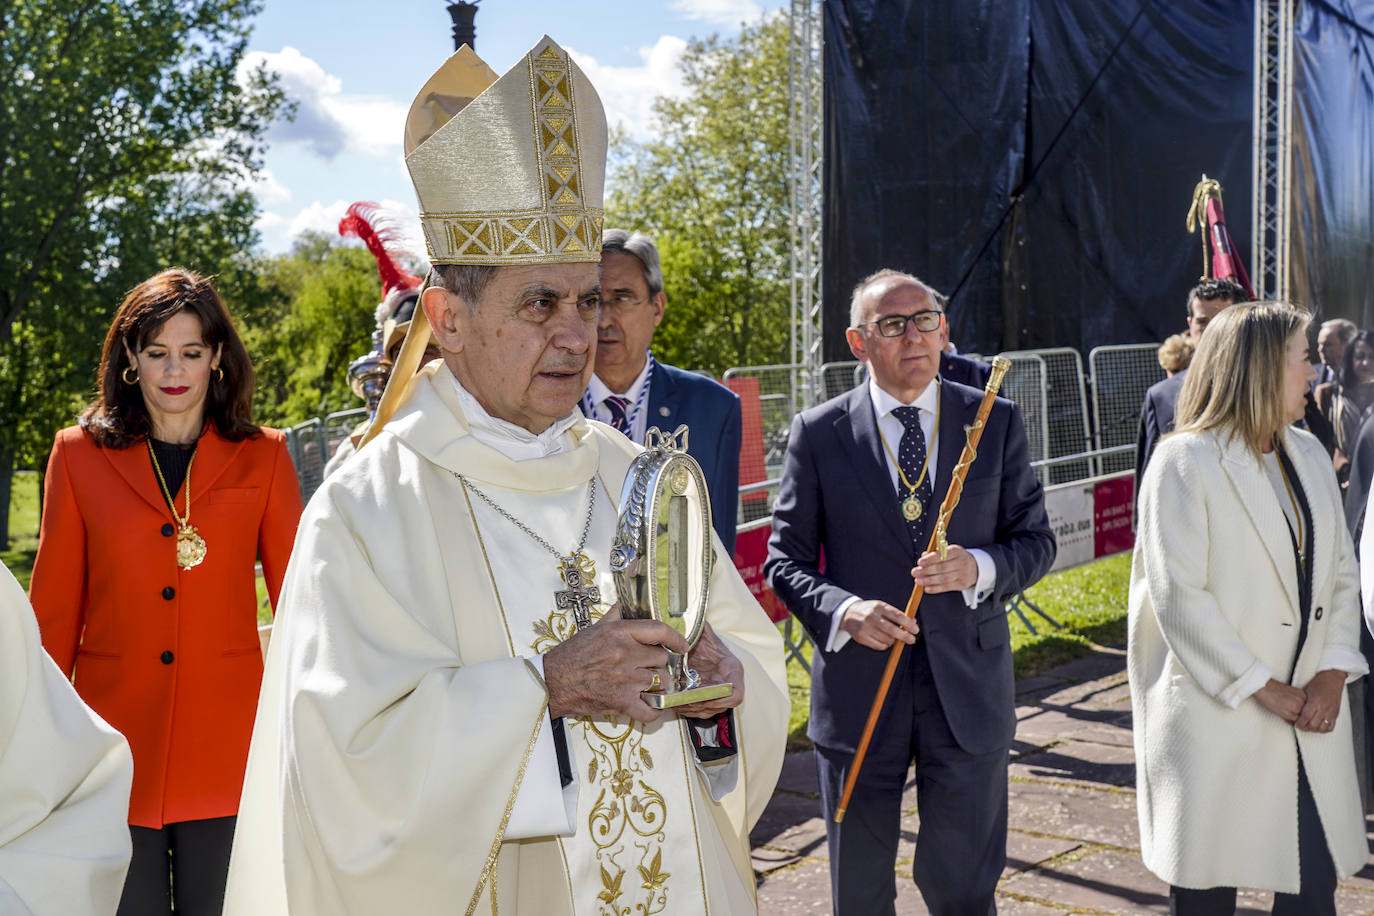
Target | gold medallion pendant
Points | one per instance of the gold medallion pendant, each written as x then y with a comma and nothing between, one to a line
911,508
191,547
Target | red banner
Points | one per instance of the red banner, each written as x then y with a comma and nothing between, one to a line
751,549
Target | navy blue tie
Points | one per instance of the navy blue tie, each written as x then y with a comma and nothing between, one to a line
617,408
911,456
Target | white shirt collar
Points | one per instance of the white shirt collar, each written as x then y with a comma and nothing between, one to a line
515,442
600,391
884,403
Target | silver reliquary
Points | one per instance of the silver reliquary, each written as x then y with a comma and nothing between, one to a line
661,556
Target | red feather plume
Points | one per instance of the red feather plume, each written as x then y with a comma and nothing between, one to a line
379,233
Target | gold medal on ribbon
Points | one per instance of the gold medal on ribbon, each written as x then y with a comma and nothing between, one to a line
911,508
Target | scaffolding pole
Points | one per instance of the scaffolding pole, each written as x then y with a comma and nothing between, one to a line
805,126
1271,147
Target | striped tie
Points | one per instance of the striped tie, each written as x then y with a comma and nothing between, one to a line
617,408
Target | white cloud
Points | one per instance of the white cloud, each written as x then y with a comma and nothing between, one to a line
329,120
628,93
719,12
281,229
268,190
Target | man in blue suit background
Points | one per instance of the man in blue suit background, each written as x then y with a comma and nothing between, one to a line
633,392
862,482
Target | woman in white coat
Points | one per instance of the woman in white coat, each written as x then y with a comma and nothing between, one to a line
1244,628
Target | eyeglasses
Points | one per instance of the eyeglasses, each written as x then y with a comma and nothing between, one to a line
895,325
621,302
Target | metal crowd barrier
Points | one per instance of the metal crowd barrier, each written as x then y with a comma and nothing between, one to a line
1079,426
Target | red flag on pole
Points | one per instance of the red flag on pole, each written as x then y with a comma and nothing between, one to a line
1220,260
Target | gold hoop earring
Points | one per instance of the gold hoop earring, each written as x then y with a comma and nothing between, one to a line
125,375
219,373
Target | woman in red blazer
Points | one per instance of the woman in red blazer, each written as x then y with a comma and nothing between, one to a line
157,505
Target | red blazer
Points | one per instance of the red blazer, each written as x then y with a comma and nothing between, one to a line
168,656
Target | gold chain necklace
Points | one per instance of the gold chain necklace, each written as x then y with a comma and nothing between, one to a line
191,547
911,506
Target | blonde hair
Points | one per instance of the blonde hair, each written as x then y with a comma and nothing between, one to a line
1175,353
1235,383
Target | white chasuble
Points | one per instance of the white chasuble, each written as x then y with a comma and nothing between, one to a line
64,782
402,703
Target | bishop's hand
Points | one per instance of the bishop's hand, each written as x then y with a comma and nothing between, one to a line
601,670
716,664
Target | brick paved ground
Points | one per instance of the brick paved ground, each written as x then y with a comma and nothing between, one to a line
1072,845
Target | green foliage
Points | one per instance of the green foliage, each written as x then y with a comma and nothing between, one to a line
305,316
711,190
128,141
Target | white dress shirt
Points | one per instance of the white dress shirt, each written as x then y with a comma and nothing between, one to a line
891,429
636,397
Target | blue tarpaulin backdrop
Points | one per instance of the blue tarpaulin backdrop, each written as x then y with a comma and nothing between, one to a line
1036,159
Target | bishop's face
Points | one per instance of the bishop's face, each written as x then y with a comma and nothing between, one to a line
526,353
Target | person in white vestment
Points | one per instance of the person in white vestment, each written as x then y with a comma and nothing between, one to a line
437,733
64,782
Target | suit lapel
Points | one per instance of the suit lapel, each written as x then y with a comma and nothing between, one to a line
857,429
661,405
956,412
214,454
1324,520
1261,504
134,465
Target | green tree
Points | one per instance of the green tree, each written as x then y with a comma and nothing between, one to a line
314,313
126,140
711,189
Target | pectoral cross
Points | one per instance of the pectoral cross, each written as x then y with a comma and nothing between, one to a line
580,596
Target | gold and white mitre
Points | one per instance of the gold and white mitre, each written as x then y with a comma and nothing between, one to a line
509,170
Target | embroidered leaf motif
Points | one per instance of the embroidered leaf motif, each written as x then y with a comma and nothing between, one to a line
634,806
591,771
654,876
644,756
610,886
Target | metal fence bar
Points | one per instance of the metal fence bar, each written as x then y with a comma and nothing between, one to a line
1120,377
1025,384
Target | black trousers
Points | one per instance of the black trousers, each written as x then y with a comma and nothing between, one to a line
187,862
1316,894
961,846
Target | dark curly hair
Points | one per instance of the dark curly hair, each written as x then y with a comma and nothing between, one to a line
1211,289
118,417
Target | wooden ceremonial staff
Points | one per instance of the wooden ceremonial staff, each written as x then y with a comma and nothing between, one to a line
973,432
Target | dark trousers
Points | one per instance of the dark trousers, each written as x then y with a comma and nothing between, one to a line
1316,894
186,861
961,846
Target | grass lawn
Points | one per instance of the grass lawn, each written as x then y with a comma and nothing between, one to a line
23,546
1089,602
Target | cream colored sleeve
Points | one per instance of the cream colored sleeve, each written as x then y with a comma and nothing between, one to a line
64,782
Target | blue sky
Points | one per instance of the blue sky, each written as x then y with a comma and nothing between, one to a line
353,67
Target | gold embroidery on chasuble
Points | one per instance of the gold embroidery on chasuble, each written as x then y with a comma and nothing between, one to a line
627,817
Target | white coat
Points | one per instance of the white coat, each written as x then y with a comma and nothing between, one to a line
1214,610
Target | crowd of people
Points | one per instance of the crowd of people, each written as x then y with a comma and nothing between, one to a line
433,726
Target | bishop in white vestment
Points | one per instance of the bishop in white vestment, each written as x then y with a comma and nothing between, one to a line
435,734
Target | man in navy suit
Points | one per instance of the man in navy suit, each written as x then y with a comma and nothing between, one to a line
633,392
854,466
